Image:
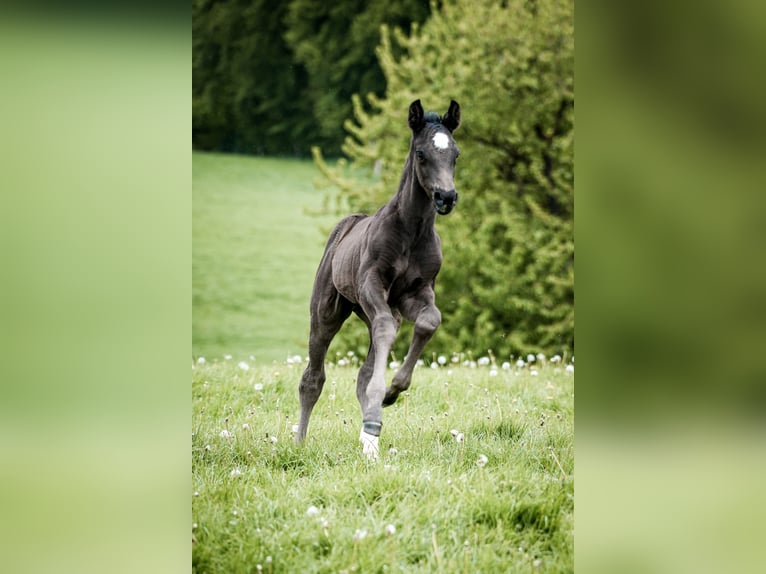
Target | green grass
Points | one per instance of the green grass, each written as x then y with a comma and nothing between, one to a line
256,244
514,514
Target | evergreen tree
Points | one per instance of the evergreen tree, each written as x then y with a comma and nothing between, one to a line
507,282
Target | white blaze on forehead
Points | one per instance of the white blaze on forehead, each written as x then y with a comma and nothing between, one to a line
441,140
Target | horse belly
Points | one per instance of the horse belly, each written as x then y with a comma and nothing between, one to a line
344,270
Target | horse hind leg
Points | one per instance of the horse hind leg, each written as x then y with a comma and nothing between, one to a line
326,321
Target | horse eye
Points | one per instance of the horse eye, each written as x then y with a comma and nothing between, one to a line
420,154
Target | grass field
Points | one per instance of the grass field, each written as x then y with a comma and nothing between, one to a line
256,244
475,473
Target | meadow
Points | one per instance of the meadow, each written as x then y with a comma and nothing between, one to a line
258,233
476,470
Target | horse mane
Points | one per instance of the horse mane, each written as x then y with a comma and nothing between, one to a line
432,118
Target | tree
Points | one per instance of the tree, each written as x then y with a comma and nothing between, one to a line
507,282
247,92
335,42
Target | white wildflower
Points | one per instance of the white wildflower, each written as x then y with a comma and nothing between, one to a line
245,426
273,439
483,361
434,365
506,366
392,451
394,365
295,428
258,386
243,365
540,357
493,373
225,433
235,472
454,432
530,358
201,360
227,357
533,372
520,363
390,530
555,358
207,447
360,535
569,369
459,438
482,461
442,360
312,511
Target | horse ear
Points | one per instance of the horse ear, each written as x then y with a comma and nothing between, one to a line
415,118
451,119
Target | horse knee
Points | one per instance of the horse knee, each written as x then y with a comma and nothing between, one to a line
428,321
384,328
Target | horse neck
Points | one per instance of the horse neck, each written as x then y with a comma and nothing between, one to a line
411,201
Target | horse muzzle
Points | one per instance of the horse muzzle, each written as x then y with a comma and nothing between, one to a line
445,201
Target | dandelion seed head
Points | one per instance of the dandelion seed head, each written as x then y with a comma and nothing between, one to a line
483,361
258,386
506,366
227,357
312,511
482,461
493,373
442,360
390,530
360,535
569,369
225,433
207,447
530,358
243,365
235,472
533,372
201,361
520,363
245,426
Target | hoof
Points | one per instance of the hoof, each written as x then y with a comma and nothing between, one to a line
369,445
390,398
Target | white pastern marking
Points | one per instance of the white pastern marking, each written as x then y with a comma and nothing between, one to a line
441,140
369,445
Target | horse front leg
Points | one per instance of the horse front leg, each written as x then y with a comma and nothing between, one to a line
370,391
422,310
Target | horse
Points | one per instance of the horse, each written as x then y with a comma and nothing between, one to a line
382,268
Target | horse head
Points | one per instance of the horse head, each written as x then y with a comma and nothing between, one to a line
435,153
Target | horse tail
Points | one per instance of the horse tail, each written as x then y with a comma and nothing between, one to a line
341,229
